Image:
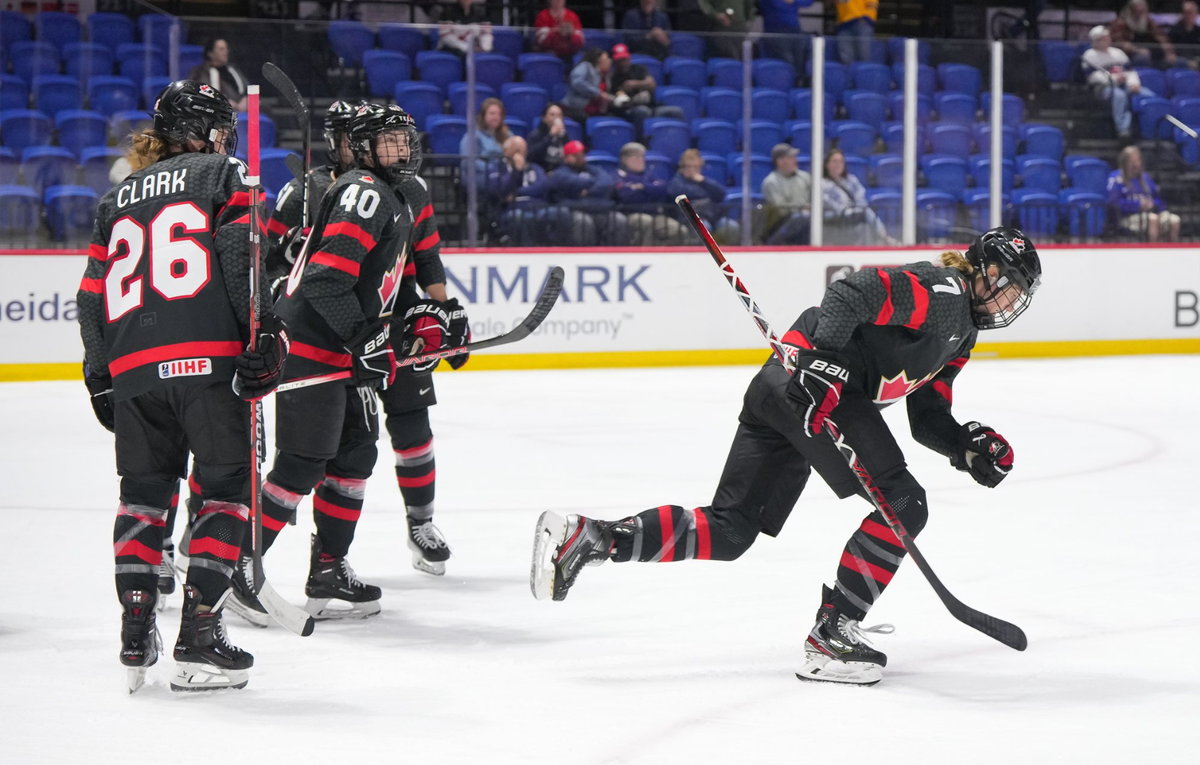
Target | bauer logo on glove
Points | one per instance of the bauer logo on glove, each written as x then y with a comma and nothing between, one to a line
426,326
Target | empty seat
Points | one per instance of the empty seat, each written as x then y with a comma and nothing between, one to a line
1058,57
152,88
541,69
926,78
439,68
71,211
1087,173
686,72
936,213
722,103
20,207
1008,139
958,108
274,169
1153,80
1013,111
887,170
494,70
659,166
716,136
1183,82
760,168
978,202
266,132
33,59
893,138
384,68
886,203
14,27
960,78
683,98
771,105
110,30
1151,116
445,137
14,93
896,49
948,174
1041,173
84,60
190,57
866,106
686,46
401,38
868,75
725,73
21,128
598,38
1087,212
954,140
155,29
801,100
524,101
1037,212
96,162
764,135
420,99
774,74
1186,109
10,166
109,95
857,166
669,138
128,121
137,61
458,98
836,79
653,66
507,42
79,130
716,166
45,166
349,40
856,138
1043,140
53,93
607,134
981,171
57,29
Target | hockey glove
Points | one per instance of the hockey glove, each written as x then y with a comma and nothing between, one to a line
100,389
460,332
426,326
372,360
983,453
816,387
257,372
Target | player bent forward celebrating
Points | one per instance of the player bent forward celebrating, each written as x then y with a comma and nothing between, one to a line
164,310
879,336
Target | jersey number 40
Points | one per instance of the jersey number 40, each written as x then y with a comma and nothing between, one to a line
179,265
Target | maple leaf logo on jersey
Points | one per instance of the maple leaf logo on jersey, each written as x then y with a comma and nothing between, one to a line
367,179
389,288
895,388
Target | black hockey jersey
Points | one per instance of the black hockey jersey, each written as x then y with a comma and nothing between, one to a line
165,297
905,333
348,275
289,205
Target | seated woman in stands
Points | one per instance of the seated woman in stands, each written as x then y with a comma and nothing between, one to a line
1134,198
848,219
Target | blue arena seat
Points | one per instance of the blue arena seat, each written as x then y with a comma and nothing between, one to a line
686,72
524,100
958,108
599,38
892,134
801,101
96,162
774,74
1153,80
896,50
137,61
541,69
857,138
1041,173
128,121
14,92
439,68
887,170
725,73
1183,82
152,88
401,38
799,134
53,93
10,166
79,130
868,75
722,103
83,60
349,40
1013,110
1043,140
56,28
14,27
155,29
764,135
926,78
1058,58
687,46
1037,212
1008,139
1186,109
458,98
770,105
669,138
110,30
981,171
384,68
266,133
654,67
190,57
945,173
866,106
659,166
836,79
71,211
715,136
886,203
274,169
978,202
109,95
1151,116
936,213
33,59
684,98
960,78
420,99
760,168
715,166
494,70
574,129
20,208
605,161
445,137
952,140
518,126
1087,212
45,166
1087,173
22,128
857,166
608,135
507,42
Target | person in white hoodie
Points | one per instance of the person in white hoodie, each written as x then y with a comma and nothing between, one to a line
1111,78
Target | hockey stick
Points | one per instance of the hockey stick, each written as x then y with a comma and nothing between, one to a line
1008,634
291,94
281,610
541,309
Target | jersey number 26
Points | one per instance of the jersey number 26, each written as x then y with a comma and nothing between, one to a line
179,265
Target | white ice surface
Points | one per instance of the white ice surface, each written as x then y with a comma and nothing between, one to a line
1091,547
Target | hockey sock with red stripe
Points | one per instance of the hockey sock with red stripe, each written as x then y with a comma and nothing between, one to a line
278,505
868,562
137,546
669,533
169,529
336,509
416,473
214,548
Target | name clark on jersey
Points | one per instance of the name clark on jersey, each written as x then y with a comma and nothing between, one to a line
152,185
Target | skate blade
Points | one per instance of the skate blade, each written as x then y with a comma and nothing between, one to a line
135,678
255,618
423,564
551,531
194,676
822,669
325,609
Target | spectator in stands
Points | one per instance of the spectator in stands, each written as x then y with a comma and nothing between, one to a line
547,140
788,194
588,93
490,135
783,40
727,18
223,76
517,189
587,191
558,31
1143,41
459,20
848,219
706,195
633,87
856,29
1134,197
643,199
1185,34
647,30
1112,79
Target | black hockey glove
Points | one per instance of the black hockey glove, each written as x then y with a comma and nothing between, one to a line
460,332
257,372
426,326
816,387
983,453
372,360
100,389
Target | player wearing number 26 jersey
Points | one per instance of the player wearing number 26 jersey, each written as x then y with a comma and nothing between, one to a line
165,319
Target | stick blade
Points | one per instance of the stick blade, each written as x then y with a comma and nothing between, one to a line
296,166
287,89
1007,633
547,300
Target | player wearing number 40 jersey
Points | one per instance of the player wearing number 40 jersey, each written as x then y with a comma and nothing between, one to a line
165,319
879,336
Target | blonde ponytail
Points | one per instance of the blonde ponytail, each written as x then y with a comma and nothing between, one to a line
146,149
952,259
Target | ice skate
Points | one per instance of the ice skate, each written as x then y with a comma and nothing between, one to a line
561,547
334,592
140,641
243,601
166,577
837,650
205,659
429,549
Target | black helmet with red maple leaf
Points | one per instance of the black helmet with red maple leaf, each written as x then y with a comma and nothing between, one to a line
1005,259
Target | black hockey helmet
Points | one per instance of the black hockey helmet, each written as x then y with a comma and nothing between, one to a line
337,124
369,124
187,109
1006,259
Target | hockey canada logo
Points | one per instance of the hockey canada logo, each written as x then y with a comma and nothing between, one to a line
895,388
185,368
206,90
1018,244
389,287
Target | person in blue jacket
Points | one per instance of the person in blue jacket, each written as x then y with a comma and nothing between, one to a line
706,195
587,191
1133,197
642,198
517,190
783,40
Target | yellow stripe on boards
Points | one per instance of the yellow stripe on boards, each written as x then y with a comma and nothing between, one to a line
34,372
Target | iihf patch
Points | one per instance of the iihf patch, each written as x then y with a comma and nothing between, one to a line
185,368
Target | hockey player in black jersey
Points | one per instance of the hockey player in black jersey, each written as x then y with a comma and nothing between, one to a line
338,300
165,319
879,336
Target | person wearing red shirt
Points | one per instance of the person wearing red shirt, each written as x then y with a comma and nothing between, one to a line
558,30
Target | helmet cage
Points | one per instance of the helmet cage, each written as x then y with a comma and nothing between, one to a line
337,126
370,123
1016,264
